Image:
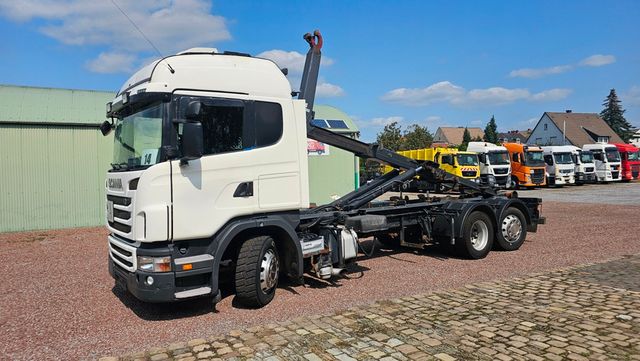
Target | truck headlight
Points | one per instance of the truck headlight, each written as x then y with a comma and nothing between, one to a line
154,264
491,179
531,171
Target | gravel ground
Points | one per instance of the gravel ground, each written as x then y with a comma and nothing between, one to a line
59,302
611,193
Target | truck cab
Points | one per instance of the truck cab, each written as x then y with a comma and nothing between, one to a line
495,166
559,164
585,167
630,158
608,161
527,165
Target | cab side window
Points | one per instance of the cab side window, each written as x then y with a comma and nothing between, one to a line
598,156
516,157
447,159
548,159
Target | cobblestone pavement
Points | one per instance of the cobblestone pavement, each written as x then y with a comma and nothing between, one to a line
589,312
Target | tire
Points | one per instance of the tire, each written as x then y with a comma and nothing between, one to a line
515,183
512,230
477,236
257,272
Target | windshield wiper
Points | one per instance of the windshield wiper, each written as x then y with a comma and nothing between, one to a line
122,165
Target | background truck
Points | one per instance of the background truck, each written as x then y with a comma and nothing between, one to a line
585,167
607,159
630,161
459,163
495,166
527,165
559,164
221,193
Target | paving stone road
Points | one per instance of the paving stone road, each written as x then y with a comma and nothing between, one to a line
589,312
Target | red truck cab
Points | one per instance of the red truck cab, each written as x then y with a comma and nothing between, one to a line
630,156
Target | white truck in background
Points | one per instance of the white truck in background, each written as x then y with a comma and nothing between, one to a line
585,167
495,165
559,164
607,160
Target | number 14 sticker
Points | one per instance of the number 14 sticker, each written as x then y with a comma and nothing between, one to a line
149,156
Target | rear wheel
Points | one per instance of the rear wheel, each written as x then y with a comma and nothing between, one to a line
257,271
477,236
512,230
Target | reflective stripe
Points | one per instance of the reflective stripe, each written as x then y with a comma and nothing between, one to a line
193,259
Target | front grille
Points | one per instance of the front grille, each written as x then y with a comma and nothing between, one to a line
614,175
125,228
469,173
538,176
566,171
122,201
119,213
502,180
500,170
588,170
122,254
614,167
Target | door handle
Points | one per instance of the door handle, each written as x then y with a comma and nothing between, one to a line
245,189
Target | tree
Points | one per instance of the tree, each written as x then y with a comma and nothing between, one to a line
491,131
466,138
613,114
416,137
390,137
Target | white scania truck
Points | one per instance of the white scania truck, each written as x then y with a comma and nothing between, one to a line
608,161
210,180
585,167
559,164
495,165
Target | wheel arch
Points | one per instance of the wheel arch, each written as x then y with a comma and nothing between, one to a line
227,242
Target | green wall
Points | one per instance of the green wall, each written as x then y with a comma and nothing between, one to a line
52,161
334,174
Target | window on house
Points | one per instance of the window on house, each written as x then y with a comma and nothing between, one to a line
604,139
545,126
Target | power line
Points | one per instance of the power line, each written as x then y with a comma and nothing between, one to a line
141,33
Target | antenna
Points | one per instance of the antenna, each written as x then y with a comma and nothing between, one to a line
144,36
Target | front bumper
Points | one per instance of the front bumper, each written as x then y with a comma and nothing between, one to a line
181,283
586,178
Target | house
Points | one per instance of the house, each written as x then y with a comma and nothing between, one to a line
635,139
514,136
570,128
453,135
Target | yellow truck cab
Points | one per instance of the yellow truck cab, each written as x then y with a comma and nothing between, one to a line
460,163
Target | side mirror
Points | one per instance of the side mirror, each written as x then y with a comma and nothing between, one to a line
105,128
193,110
192,147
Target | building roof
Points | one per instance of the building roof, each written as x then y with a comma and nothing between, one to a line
515,136
23,104
454,135
329,113
583,128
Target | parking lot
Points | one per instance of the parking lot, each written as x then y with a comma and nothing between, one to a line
59,302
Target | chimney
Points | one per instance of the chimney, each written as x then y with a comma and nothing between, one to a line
568,111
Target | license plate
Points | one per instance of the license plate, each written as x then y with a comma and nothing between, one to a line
110,211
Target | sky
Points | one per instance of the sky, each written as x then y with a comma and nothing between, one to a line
433,63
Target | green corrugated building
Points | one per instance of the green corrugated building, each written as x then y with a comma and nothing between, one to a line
53,158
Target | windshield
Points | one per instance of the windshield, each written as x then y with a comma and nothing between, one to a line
467,159
563,158
586,157
533,159
612,155
498,158
138,139
634,155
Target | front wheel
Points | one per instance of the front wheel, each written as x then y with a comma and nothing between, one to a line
257,272
477,236
511,231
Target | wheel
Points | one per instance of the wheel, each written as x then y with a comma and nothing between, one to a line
257,272
477,236
512,230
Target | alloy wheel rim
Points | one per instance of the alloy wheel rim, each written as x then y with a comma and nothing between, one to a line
511,228
268,271
479,235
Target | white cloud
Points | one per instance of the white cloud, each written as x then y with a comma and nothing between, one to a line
551,95
382,121
631,97
170,25
447,92
443,91
432,119
539,72
291,60
112,63
598,60
328,90
593,60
